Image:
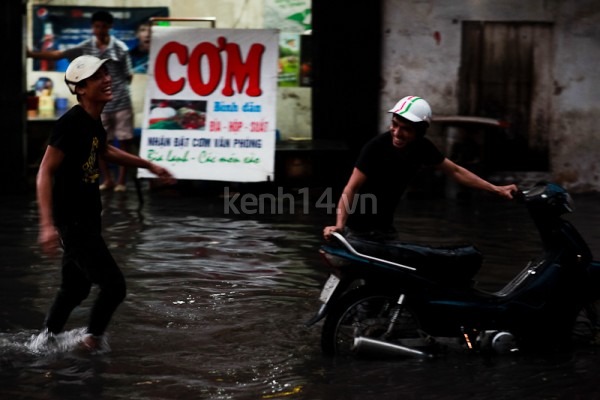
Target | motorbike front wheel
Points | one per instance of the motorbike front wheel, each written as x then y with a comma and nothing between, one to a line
368,313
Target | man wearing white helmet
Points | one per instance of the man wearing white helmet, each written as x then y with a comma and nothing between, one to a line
386,166
69,203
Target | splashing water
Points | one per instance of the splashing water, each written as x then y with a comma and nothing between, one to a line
46,343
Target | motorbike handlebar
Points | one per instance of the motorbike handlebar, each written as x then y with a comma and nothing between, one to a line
536,189
519,195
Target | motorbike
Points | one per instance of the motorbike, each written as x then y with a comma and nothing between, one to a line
406,299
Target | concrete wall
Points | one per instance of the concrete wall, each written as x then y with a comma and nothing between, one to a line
575,131
421,56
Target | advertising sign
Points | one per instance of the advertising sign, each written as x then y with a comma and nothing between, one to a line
209,110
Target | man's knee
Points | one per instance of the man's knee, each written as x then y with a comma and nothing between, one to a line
73,295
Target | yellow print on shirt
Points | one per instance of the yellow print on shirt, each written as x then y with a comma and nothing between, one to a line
90,171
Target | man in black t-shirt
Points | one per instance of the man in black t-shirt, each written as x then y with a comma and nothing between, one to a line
386,166
69,201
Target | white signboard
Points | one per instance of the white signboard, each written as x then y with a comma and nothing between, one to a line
209,110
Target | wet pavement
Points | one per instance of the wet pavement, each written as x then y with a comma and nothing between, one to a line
219,289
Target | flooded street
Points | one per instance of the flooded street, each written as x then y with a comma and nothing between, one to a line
217,303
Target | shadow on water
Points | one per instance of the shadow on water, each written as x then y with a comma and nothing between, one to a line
217,303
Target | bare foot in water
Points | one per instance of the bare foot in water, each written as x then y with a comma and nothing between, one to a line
91,342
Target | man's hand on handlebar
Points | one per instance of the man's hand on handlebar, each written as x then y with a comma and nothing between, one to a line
328,230
508,191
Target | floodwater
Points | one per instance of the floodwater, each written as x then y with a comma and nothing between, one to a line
217,301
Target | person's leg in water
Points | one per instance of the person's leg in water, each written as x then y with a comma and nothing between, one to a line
125,145
121,123
88,262
74,288
108,182
111,282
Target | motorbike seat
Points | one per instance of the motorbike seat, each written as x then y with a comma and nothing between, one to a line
456,263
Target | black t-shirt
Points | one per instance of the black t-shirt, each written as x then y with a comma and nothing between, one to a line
389,171
75,193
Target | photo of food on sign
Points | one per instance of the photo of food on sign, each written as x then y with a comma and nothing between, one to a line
177,114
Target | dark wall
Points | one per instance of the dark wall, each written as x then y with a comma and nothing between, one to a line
12,97
346,70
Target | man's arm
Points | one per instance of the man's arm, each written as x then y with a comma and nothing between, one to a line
357,179
467,178
46,54
48,237
120,157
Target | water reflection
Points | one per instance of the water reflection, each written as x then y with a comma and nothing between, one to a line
216,306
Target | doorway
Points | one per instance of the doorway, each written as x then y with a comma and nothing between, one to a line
506,74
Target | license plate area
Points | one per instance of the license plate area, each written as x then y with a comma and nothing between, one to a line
329,288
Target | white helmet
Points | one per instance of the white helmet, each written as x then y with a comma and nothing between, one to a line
413,108
82,68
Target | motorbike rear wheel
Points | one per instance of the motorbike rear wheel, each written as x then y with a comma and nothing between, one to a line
367,312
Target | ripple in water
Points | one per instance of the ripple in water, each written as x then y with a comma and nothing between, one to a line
216,307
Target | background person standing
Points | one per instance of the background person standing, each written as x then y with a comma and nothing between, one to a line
141,52
117,117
